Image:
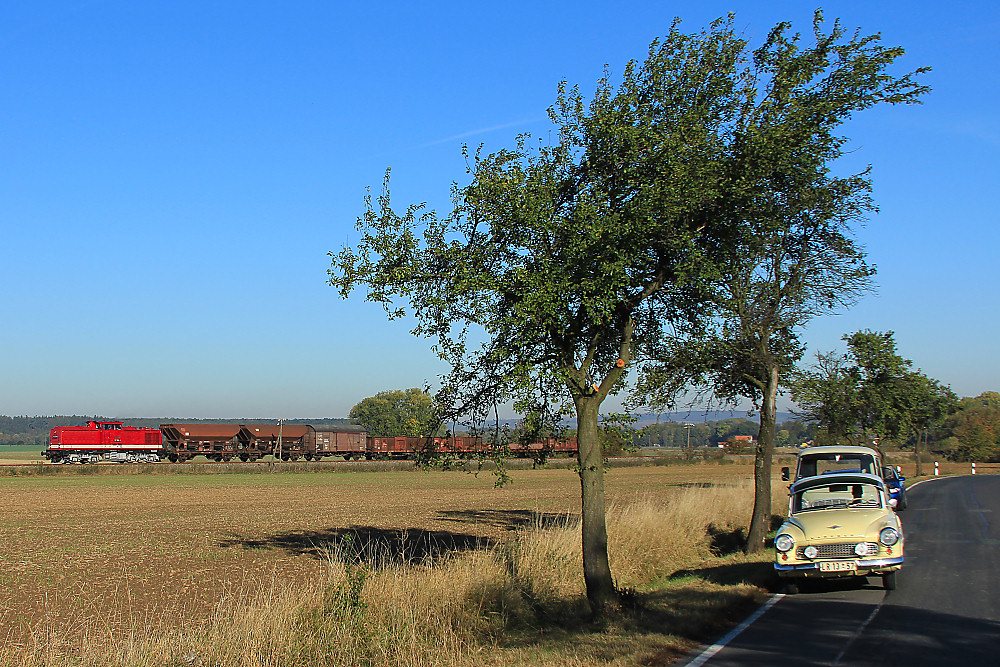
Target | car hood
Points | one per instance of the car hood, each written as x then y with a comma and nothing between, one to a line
842,523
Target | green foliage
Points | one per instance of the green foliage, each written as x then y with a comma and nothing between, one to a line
394,413
564,262
973,432
785,252
870,392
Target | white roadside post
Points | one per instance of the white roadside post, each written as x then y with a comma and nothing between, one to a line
935,468
973,468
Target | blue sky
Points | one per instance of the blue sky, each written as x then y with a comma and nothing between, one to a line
172,176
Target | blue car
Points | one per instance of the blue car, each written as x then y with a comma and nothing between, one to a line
897,491
893,484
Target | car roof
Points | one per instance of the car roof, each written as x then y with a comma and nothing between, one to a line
837,478
838,449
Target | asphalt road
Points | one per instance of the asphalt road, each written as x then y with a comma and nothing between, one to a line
945,610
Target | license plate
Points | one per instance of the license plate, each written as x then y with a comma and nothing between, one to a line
838,566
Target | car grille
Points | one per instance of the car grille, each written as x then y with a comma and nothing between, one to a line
844,550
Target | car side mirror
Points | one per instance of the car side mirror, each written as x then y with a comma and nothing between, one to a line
785,474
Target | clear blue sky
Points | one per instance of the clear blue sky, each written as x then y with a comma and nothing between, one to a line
173,174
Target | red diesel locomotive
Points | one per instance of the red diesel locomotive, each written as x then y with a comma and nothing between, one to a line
104,441
107,441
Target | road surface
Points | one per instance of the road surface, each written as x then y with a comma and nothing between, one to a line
945,611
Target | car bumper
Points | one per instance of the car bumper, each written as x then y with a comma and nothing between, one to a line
865,566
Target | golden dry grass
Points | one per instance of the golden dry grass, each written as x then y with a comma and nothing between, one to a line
293,587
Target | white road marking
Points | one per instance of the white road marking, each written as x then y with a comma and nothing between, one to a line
721,644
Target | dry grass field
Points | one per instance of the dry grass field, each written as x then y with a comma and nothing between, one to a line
83,556
175,544
334,567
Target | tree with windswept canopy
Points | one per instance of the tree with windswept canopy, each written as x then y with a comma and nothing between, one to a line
564,263
790,255
561,262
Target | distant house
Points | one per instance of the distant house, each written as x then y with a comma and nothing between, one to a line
737,443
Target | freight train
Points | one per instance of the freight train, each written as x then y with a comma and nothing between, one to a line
112,441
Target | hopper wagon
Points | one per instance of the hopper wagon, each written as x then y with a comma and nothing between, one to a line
107,441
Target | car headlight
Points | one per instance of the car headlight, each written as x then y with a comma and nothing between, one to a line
888,536
784,543
810,551
866,549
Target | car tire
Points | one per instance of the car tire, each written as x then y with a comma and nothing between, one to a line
791,588
889,581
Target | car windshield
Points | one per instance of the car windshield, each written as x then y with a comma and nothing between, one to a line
822,464
865,496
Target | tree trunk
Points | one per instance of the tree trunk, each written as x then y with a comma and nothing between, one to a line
601,590
760,522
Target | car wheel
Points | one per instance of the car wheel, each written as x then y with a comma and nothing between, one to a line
889,581
791,588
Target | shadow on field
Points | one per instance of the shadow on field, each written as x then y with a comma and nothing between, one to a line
375,547
510,519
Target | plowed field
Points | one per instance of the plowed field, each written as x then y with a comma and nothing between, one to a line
161,549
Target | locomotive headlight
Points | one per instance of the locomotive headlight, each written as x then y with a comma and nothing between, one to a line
888,536
810,551
784,542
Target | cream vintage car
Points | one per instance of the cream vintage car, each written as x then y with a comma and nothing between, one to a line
839,525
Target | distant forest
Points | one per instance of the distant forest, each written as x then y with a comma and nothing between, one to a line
35,430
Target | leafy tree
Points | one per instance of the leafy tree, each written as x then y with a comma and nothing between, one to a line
928,404
560,263
394,413
826,395
870,393
790,256
975,429
563,263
